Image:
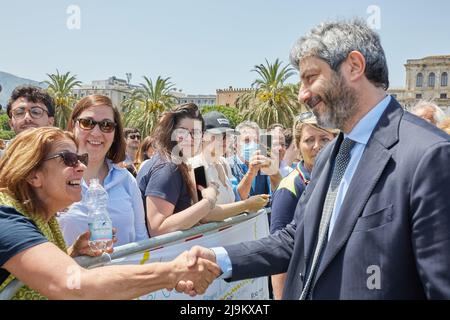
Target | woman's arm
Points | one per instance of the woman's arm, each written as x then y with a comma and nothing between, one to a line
48,270
162,220
224,211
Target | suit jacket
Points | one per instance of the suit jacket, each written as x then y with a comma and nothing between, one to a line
392,237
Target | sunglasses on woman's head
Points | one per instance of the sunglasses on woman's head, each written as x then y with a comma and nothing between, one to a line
70,158
89,124
302,117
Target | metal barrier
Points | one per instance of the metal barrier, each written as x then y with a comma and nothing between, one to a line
144,245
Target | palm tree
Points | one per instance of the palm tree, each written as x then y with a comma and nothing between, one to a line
146,104
272,101
59,87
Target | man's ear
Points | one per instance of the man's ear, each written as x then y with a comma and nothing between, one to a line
51,120
35,179
356,65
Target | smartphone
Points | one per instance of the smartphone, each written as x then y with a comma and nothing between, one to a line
265,143
200,180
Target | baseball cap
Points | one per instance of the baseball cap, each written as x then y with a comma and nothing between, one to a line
216,122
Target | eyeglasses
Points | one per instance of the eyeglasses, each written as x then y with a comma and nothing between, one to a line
70,158
302,117
183,133
35,112
104,125
134,136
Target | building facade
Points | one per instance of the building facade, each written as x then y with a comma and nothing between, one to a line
426,79
114,88
200,100
227,97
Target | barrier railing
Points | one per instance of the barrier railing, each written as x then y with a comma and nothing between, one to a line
145,245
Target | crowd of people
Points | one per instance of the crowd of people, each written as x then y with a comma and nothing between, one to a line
357,181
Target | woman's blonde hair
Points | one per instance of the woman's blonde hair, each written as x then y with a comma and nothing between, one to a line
26,154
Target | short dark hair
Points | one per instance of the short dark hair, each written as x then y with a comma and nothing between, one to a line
128,131
32,94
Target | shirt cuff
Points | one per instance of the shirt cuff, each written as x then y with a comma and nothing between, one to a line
224,262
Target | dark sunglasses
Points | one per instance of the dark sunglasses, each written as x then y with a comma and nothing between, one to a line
89,124
70,158
134,136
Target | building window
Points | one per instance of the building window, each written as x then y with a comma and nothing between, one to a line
394,96
431,80
419,96
444,79
419,80
443,96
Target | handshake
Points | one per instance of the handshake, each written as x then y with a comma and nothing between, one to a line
193,271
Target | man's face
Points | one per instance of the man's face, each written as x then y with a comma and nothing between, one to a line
21,115
133,140
326,93
246,136
278,143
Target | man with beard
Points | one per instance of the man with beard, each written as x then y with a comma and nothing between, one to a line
374,222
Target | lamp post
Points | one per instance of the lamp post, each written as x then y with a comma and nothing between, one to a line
1,92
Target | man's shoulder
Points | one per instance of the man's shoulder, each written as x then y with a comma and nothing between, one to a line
425,133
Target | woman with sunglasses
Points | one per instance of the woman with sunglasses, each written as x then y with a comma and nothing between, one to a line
40,176
309,139
97,127
165,180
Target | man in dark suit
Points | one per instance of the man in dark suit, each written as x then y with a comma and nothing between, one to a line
374,222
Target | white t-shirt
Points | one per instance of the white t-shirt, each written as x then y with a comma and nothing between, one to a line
226,194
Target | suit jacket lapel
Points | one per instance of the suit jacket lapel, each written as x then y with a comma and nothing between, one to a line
373,161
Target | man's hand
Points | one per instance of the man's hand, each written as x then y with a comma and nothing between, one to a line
195,270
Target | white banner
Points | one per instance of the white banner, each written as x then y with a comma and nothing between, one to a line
250,289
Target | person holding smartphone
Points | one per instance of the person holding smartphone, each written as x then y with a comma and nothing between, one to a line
255,173
216,140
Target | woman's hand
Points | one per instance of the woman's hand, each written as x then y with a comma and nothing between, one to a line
81,246
210,194
254,203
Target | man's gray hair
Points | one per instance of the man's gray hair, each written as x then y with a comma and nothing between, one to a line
333,41
438,113
248,124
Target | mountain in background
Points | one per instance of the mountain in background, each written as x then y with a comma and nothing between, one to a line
9,82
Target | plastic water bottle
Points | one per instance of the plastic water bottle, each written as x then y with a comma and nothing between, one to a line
100,225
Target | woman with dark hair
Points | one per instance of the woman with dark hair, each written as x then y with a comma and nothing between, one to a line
145,152
165,180
97,127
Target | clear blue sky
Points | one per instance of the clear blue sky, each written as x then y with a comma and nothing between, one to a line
201,44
